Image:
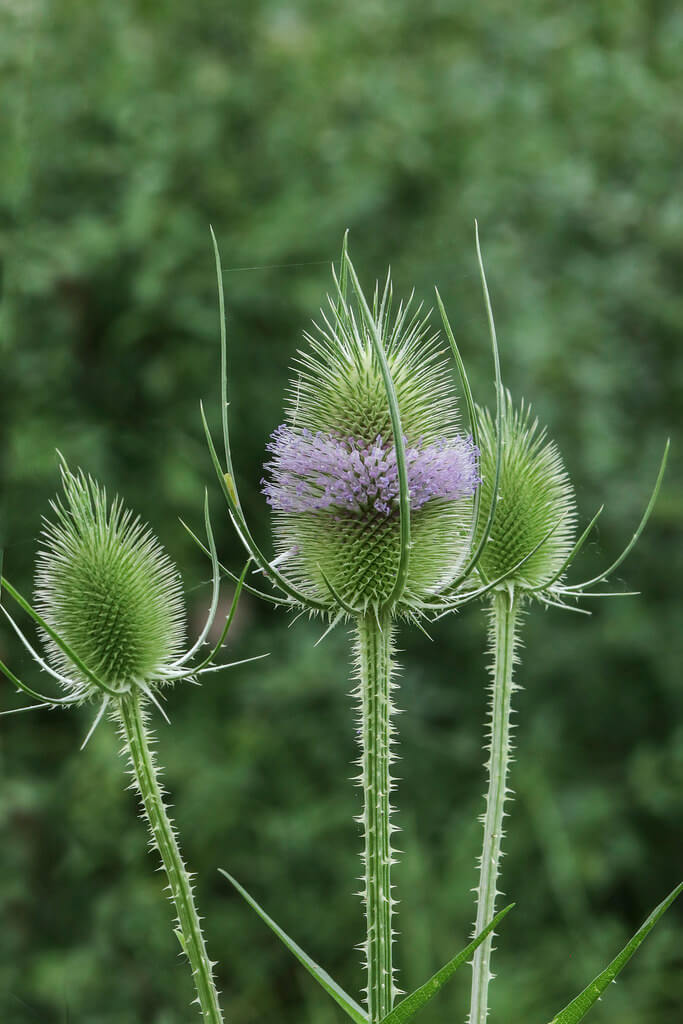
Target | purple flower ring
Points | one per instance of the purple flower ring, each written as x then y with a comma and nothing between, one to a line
318,472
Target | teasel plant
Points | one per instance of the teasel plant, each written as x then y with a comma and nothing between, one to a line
520,551
109,610
530,545
377,518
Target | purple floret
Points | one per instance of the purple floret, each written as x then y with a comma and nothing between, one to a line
317,472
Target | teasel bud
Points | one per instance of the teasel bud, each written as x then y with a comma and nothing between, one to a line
108,588
534,526
109,604
530,545
531,540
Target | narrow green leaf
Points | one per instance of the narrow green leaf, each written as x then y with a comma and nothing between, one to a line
224,366
409,1006
355,1012
579,1007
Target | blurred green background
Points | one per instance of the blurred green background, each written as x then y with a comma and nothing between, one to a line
127,127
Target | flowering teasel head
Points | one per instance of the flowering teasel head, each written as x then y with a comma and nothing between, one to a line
108,603
371,479
333,476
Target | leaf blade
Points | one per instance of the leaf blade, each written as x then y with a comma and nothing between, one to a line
579,1007
354,1010
413,1003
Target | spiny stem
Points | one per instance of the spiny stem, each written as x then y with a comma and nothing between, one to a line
374,653
163,836
504,617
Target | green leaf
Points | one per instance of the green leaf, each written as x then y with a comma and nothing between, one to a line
409,1006
579,1007
355,1012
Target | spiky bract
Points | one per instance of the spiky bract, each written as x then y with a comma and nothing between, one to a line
346,530
107,587
535,505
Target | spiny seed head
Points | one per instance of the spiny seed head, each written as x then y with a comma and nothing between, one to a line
333,474
107,587
535,496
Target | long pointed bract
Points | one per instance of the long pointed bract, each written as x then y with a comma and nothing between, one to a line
224,364
355,1012
243,530
231,575
498,381
641,526
57,639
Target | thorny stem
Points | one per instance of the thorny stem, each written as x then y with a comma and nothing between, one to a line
163,837
374,650
504,617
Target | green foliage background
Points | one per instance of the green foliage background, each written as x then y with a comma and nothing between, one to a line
126,128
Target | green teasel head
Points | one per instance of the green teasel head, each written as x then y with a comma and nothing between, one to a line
334,473
534,525
106,586
531,538
109,605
